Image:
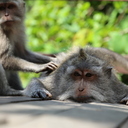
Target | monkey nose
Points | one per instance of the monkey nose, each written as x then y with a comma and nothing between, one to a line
6,14
81,89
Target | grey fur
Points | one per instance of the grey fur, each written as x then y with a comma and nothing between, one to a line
62,84
13,54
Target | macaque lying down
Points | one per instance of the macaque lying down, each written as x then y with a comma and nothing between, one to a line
81,77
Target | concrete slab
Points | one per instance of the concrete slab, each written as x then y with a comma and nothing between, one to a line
16,99
62,114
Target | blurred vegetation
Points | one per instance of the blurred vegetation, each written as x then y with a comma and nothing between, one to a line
53,26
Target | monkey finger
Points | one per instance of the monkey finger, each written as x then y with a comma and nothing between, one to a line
39,94
35,95
43,95
125,100
49,67
49,95
53,65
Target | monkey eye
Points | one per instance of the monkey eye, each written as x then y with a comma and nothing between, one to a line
76,74
88,75
11,6
2,8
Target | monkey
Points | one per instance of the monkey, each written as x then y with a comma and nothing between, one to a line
81,76
119,62
14,56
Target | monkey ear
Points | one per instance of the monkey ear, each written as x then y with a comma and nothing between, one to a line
108,71
82,54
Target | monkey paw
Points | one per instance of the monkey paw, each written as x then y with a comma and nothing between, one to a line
41,93
125,100
49,67
37,93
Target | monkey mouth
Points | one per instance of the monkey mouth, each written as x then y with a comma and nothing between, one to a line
9,22
83,99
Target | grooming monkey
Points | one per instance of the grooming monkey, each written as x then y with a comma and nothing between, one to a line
13,54
81,76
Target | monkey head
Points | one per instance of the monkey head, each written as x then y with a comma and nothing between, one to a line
85,78
11,12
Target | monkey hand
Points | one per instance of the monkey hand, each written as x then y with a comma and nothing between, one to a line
49,67
37,93
125,100
35,89
41,93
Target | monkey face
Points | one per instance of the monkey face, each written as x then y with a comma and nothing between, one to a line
86,84
77,81
82,79
86,81
86,78
11,12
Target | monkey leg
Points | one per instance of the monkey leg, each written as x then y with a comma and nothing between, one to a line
36,89
5,89
14,81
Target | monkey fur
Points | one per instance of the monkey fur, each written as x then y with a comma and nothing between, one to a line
82,76
13,54
119,62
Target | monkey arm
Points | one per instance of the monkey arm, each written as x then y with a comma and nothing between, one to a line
5,89
17,64
37,58
34,57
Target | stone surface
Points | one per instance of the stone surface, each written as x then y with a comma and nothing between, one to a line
62,114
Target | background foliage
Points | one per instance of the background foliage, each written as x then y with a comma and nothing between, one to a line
53,26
